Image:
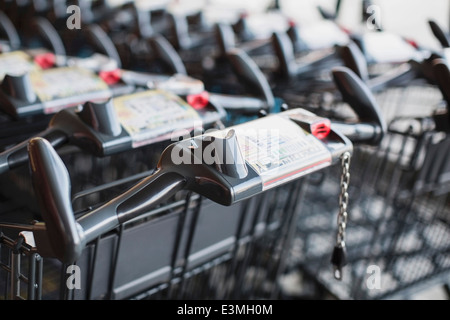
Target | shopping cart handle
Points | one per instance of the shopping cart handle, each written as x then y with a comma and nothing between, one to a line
363,103
10,31
166,52
19,87
284,51
64,126
355,60
242,104
50,35
16,156
439,34
52,184
225,37
213,165
298,43
143,21
68,236
247,71
288,65
182,40
442,76
241,29
359,132
102,43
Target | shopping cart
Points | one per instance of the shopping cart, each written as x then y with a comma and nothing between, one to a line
197,248
398,234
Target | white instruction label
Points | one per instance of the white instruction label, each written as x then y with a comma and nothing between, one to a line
60,88
154,115
279,150
16,63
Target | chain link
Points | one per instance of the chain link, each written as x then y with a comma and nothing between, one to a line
343,200
338,258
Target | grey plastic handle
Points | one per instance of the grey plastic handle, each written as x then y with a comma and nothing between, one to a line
285,45
247,70
49,33
10,31
17,155
284,50
248,105
166,52
354,59
19,87
67,235
52,185
103,43
179,32
225,37
356,93
102,117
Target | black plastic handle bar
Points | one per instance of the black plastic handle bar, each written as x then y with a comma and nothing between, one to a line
248,71
46,30
97,126
65,236
330,15
284,51
442,76
161,47
180,33
439,120
241,104
223,183
225,38
17,156
372,126
143,26
10,31
68,126
167,53
68,236
102,43
439,34
288,66
354,59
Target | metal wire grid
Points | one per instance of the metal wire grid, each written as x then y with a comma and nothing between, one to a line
395,224
416,99
186,248
245,264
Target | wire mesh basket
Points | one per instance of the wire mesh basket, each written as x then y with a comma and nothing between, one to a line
398,232
186,248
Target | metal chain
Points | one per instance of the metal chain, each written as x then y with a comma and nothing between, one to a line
343,200
339,259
